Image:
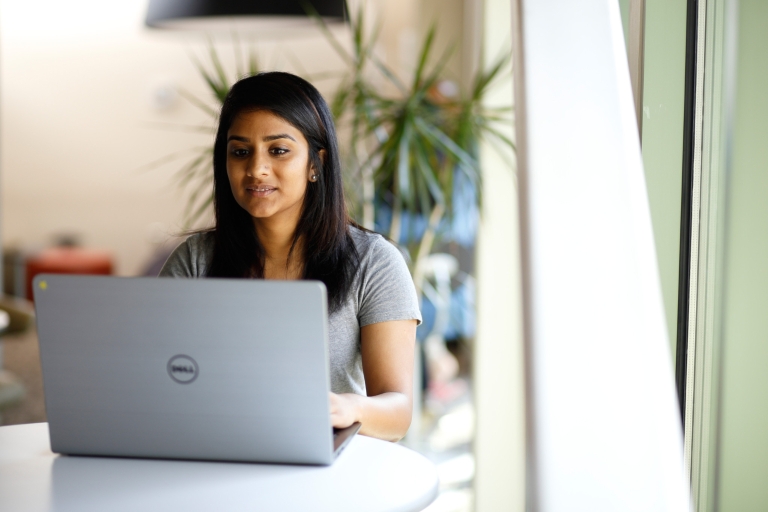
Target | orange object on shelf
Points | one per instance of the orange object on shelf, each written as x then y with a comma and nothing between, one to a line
67,260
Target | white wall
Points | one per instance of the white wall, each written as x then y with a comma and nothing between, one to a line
77,121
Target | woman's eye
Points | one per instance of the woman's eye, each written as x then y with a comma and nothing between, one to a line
239,152
278,151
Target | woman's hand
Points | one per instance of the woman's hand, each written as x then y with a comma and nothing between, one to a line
344,409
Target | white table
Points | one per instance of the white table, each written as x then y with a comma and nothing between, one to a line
370,475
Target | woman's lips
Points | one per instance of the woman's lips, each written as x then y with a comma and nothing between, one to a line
260,190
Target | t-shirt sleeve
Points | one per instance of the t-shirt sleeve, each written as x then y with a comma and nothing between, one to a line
388,293
189,259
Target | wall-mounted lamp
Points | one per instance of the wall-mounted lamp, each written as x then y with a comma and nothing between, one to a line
273,16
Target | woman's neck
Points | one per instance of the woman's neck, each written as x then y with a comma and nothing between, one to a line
276,241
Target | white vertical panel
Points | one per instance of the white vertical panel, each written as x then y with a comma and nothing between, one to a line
497,371
604,429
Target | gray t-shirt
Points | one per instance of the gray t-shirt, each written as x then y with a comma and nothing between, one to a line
382,291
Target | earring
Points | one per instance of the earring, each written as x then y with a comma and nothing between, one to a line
313,177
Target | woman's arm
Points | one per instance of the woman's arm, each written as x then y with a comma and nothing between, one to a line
387,350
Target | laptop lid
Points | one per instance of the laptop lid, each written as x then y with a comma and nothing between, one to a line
223,369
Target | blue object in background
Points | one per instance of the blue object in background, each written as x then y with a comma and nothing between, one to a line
462,313
466,215
461,228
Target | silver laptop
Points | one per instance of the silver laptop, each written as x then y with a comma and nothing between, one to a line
217,369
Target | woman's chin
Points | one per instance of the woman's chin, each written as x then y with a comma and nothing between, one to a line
258,210
270,215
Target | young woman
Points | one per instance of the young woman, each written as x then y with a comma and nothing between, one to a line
280,214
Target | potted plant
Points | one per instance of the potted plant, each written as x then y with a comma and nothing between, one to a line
410,152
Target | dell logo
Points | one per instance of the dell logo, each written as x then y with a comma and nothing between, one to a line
183,369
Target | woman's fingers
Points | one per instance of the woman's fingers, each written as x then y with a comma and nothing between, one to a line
342,410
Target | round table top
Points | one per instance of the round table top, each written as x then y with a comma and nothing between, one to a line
369,475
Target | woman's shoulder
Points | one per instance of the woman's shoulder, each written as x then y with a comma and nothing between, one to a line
365,239
376,251
192,256
200,241
197,245
386,287
361,237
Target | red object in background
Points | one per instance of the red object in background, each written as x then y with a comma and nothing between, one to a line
67,260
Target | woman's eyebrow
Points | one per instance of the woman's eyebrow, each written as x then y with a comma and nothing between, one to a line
278,136
265,139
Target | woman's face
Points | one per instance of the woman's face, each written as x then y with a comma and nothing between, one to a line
268,167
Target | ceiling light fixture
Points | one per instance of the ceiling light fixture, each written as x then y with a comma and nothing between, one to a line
255,16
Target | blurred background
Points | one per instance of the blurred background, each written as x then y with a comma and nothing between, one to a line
100,114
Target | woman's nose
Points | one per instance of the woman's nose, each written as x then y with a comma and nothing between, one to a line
260,165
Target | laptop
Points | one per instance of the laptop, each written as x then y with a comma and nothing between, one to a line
206,369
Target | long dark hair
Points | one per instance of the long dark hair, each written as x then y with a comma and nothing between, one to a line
329,253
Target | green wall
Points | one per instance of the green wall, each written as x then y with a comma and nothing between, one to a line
663,106
744,434
624,8
663,98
